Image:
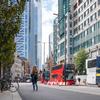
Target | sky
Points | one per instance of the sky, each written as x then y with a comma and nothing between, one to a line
48,8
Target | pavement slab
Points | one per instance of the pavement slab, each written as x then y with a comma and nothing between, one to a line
7,95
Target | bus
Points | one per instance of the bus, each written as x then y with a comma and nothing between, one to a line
59,72
93,70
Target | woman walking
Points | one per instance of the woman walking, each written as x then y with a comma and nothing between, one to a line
34,77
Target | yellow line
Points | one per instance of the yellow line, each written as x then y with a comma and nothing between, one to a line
97,74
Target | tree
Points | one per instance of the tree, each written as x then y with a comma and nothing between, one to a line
10,20
80,59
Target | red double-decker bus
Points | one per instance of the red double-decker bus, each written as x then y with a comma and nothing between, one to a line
60,72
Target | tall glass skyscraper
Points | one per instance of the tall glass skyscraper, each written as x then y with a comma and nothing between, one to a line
22,39
30,33
35,34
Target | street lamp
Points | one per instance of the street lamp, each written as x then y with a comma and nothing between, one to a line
44,49
44,44
65,50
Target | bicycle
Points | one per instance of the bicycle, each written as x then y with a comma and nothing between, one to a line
6,83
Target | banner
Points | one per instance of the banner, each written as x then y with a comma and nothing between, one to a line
98,62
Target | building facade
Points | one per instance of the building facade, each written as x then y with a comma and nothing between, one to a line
22,38
64,32
79,22
35,33
30,33
86,23
17,68
55,40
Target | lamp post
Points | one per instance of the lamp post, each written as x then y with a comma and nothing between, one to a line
44,50
65,50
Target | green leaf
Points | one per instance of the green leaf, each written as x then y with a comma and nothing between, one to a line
80,59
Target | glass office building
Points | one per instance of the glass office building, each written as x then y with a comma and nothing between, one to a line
80,20
64,45
35,33
86,21
30,33
22,38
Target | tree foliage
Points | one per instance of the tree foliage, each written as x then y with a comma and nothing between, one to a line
10,20
80,59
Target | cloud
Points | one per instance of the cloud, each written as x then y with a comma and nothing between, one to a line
48,8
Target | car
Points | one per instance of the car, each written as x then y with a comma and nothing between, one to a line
28,79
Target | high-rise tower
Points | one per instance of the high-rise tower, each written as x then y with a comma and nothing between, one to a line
35,53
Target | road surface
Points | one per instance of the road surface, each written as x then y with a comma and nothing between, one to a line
47,93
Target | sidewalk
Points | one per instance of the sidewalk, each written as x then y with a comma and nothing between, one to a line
7,95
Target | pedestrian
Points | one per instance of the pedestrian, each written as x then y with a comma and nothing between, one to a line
43,76
79,80
34,77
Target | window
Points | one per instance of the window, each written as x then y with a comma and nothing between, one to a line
87,2
90,29
82,34
70,32
71,41
88,20
93,28
94,5
81,26
89,43
79,10
99,12
91,0
71,50
62,49
85,14
70,24
75,14
75,22
98,2
86,32
84,23
91,8
75,30
57,67
91,18
80,1
70,16
75,6
81,17
94,16
84,4
99,24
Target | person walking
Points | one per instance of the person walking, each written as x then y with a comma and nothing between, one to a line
34,77
43,76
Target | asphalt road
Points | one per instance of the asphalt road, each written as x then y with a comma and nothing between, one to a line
45,93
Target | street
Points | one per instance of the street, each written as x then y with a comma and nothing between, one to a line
47,93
